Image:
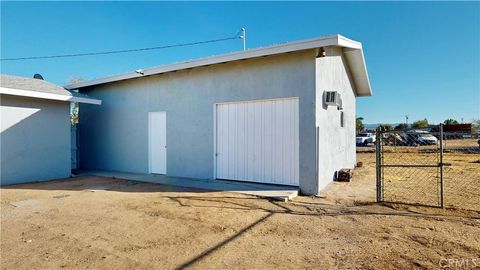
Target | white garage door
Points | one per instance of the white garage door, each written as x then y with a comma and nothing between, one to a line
258,141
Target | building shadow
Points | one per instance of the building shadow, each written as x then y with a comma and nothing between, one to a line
281,208
93,183
34,140
211,250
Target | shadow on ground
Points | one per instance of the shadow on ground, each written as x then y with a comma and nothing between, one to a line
296,208
212,200
101,183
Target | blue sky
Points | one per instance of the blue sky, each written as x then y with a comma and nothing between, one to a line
423,58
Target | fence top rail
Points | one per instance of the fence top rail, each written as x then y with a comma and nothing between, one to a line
431,130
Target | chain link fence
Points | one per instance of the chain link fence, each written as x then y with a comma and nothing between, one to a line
429,168
461,155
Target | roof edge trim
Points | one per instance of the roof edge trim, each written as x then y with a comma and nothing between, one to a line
334,40
51,96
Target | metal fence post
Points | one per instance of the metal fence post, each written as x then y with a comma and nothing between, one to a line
441,168
378,149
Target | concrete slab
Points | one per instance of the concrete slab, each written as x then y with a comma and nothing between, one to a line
263,190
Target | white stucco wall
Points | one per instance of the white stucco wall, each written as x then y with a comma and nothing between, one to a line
336,144
114,136
34,139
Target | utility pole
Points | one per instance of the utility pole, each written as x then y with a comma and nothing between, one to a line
406,121
244,37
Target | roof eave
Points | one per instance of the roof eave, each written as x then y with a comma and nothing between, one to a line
50,96
353,53
358,68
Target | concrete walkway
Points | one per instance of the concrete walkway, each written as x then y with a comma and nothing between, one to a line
263,190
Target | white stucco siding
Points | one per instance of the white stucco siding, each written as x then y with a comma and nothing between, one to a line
336,144
34,140
114,135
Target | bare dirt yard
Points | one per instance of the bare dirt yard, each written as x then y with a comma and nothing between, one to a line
93,222
461,173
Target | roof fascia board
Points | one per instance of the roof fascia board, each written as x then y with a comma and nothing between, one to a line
359,71
348,43
252,53
352,49
51,96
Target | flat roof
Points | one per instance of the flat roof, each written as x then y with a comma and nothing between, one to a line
353,53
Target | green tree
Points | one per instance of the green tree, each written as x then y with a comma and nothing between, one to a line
450,121
74,108
74,113
386,127
359,124
420,123
401,127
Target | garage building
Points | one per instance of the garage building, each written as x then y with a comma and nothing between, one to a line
282,114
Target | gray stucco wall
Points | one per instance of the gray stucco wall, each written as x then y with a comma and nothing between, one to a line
336,144
115,135
34,139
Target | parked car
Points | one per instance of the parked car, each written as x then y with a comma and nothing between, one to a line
394,138
365,138
410,138
422,137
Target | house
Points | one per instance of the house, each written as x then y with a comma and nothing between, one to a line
35,129
282,114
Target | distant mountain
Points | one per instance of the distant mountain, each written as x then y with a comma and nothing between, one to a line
371,126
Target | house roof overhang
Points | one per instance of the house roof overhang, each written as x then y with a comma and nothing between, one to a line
52,96
352,50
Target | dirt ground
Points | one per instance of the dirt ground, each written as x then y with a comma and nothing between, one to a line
93,222
461,175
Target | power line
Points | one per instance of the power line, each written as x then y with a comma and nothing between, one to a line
121,51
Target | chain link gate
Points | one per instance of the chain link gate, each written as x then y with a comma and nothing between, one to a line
428,168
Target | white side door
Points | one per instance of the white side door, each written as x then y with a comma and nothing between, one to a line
258,141
157,142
